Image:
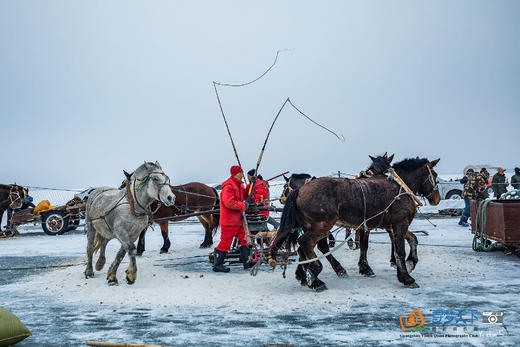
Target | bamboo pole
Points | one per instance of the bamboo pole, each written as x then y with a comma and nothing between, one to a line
117,344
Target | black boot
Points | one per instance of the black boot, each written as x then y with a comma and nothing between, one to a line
218,261
464,221
244,257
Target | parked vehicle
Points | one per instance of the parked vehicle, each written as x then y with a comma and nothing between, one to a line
451,189
83,196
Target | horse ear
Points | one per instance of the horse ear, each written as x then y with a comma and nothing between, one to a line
371,158
435,162
390,158
313,178
384,155
286,179
158,165
127,175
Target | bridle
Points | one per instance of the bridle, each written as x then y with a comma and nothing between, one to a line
433,183
143,182
16,193
288,189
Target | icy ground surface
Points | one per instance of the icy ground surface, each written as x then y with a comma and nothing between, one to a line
189,304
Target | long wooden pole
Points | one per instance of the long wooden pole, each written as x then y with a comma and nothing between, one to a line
117,344
272,178
244,220
265,143
400,181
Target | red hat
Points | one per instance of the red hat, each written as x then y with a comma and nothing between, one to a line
235,169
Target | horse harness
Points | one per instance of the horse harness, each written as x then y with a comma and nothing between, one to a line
403,190
148,210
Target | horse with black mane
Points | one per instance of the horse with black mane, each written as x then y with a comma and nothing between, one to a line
373,202
190,197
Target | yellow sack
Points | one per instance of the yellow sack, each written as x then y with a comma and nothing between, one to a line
43,206
11,329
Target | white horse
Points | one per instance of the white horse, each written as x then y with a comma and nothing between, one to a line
123,214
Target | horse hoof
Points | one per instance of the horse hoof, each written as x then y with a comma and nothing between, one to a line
394,265
129,281
89,274
412,285
113,282
410,266
367,272
205,245
139,254
163,251
321,288
342,274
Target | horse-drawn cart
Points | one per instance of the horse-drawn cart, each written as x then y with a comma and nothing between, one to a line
54,221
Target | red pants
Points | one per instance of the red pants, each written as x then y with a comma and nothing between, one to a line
227,233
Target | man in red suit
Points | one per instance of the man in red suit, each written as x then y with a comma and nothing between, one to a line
232,206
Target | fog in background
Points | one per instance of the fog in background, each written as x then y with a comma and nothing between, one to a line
90,88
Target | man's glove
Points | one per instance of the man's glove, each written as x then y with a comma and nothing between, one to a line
251,204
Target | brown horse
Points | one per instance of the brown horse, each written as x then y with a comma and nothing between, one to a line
11,194
370,203
189,197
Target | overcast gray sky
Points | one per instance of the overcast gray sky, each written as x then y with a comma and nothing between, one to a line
90,88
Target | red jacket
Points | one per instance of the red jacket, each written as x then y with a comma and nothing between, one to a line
259,194
232,202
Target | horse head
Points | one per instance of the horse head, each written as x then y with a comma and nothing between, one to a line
379,164
294,182
151,178
420,176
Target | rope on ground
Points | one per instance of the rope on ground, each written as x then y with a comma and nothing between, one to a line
422,244
40,267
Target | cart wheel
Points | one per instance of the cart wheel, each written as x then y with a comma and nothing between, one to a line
55,223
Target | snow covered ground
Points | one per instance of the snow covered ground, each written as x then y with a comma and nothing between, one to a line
189,304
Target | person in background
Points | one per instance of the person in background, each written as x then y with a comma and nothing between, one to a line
499,183
485,176
474,189
515,180
260,194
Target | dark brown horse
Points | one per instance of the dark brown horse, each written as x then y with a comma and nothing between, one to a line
189,197
11,194
374,202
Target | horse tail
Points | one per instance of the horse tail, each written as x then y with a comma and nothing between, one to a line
287,225
215,218
97,243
